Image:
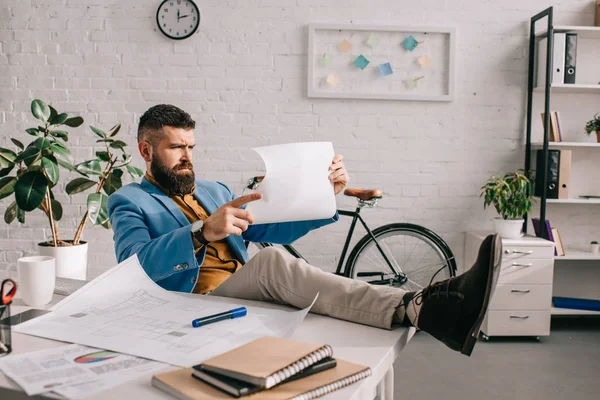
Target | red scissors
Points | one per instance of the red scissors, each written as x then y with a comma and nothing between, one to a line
7,292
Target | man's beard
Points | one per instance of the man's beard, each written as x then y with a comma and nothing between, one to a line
169,179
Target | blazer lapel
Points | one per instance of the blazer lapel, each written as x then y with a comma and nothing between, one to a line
166,201
210,205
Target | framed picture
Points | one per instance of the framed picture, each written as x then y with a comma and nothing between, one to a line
351,61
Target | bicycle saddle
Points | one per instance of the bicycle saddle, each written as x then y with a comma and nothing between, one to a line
364,194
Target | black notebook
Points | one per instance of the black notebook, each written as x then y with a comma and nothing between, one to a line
239,388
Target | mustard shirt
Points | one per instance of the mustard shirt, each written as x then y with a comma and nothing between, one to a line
220,262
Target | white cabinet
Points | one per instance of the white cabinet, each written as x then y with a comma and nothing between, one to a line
522,300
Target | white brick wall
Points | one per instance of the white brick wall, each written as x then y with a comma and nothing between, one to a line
242,77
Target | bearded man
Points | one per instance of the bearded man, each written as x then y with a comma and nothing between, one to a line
189,236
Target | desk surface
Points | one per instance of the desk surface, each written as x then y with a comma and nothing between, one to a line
361,344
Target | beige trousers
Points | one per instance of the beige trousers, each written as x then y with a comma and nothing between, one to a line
276,276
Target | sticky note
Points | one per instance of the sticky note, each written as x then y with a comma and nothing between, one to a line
345,46
332,80
424,61
385,69
410,43
413,83
361,62
372,41
326,59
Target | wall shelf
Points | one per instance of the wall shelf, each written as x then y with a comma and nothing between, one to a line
570,311
571,88
587,32
538,145
577,254
570,201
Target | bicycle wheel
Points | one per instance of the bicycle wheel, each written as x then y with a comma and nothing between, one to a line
415,252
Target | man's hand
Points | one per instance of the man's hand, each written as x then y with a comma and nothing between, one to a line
229,219
338,176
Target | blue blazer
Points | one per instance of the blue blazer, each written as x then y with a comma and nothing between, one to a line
148,223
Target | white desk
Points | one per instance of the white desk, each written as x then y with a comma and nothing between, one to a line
361,344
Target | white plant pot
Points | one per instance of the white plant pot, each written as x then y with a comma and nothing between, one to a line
509,228
71,261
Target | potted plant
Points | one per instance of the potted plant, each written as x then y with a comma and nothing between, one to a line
37,174
594,126
511,196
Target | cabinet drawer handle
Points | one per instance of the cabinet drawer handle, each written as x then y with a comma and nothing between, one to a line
519,317
520,291
522,265
509,251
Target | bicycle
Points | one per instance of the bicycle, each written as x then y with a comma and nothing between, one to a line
387,243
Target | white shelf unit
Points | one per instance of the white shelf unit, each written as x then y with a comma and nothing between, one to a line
584,153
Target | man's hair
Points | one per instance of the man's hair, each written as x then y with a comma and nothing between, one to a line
153,120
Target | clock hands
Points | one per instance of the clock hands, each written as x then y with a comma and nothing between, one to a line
181,16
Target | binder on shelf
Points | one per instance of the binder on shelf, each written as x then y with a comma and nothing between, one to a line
577,304
537,228
553,133
570,57
564,173
560,250
557,59
552,172
598,13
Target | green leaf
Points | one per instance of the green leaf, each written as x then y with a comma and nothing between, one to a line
98,132
89,167
29,156
106,224
118,144
134,171
10,213
126,159
65,165
79,185
118,172
18,143
60,134
57,210
41,111
30,190
7,186
32,131
114,130
59,119
42,143
74,122
7,157
20,215
6,171
96,204
103,155
113,183
50,165
61,153
53,113
105,141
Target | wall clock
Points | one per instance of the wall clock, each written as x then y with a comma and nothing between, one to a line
178,19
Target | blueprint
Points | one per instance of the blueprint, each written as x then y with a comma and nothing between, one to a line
123,310
296,186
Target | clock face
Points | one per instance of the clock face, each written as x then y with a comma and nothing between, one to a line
178,19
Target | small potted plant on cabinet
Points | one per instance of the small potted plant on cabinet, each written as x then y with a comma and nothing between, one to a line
37,175
511,197
593,125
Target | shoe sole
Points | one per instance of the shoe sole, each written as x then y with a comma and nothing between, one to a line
495,262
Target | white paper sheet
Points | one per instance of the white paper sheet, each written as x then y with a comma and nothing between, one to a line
60,367
296,185
125,311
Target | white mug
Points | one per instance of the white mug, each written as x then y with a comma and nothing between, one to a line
37,277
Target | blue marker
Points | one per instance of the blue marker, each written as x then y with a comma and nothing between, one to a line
231,314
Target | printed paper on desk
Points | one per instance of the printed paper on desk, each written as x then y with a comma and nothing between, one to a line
123,310
74,365
296,185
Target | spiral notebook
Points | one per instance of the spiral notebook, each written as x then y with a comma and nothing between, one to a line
182,385
266,361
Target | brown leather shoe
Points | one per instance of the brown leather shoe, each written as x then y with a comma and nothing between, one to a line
453,310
